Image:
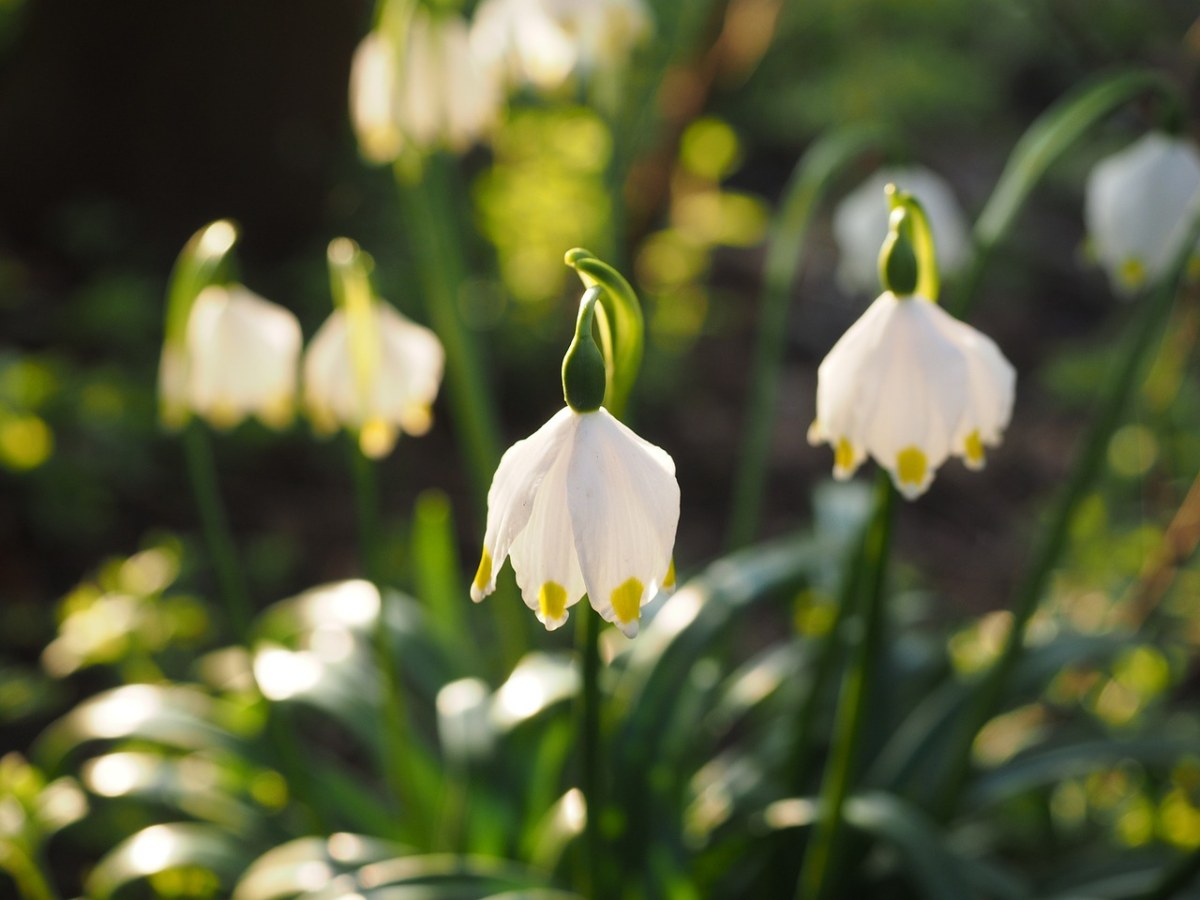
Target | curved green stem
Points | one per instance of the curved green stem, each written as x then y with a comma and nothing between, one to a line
621,325
429,205
1054,133
821,870
1123,378
590,777
814,174
202,473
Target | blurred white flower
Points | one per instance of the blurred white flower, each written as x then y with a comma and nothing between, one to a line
378,384
860,224
1138,208
582,505
542,42
239,358
415,81
910,385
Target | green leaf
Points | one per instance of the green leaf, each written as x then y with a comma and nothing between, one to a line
162,847
309,864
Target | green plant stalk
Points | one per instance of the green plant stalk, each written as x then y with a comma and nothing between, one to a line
29,874
396,741
429,204
590,775
202,472
821,869
1045,142
1123,378
810,181
1175,879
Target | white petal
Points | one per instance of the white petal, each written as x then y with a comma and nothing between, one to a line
543,554
1138,207
513,491
624,505
410,370
330,394
373,99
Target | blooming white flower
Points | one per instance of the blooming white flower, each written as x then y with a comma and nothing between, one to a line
582,505
910,385
238,359
378,386
542,42
1138,207
416,80
860,223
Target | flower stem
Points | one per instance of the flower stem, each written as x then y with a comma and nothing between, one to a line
590,776
202,472
429,204
814,174
395,743
1124,375
28,871
821,870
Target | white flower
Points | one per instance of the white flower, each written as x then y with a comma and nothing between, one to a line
910,385
239,358
582,505
1139,205
417,81
378,389
860,224
542,42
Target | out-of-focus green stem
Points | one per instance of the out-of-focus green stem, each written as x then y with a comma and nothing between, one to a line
1054,133
1175,879
395,744
590,777
429,204
1124,375
814,174
29,875
821,870
202,473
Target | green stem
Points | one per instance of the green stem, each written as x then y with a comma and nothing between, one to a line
202,473
590,776
821,870
1175,879
28,872
395,743
1123,377
429,205
814,174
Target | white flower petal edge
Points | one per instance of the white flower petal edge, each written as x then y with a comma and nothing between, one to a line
582,505
399,390
909,385
1137,208
242,354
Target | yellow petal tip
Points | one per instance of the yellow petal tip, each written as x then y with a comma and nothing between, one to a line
480,587
552,602
627,601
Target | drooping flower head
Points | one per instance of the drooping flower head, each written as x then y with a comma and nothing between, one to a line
544,42
908,384
583,505
369,369
860,224
1138,207
415,81
228,354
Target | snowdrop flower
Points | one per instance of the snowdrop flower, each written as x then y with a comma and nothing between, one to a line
909,385
415,80
860,225
377,383
542,42
1138,207
238,359
583,505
